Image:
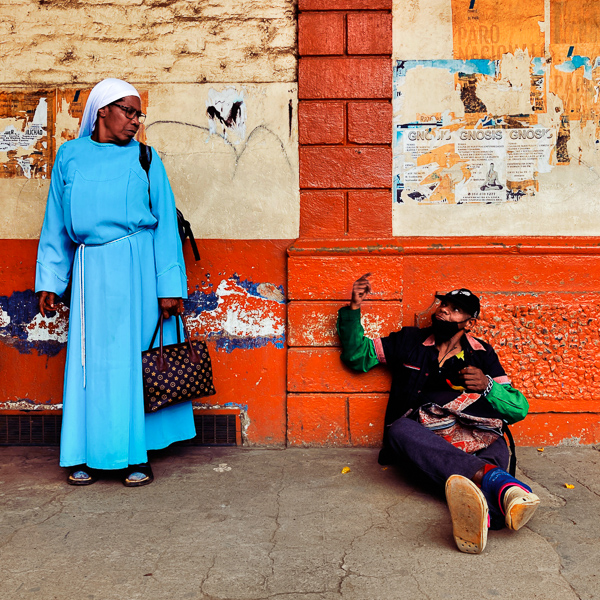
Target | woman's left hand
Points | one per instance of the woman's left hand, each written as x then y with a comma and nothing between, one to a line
170,306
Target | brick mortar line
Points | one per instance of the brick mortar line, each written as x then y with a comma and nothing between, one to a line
347,11
325,56
345,189
346,144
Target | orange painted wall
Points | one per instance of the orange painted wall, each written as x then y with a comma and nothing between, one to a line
249,373
539,295
540,310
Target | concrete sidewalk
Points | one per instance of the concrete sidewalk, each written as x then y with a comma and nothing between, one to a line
232,523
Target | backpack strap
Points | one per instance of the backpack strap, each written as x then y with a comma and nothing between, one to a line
185,231
512,466
145,160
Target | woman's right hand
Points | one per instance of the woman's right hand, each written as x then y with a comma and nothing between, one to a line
47,302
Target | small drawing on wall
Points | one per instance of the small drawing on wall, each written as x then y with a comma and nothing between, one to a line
226,112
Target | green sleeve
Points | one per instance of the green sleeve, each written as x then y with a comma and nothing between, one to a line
358,352
510,403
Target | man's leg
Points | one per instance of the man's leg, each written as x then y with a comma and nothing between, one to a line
438,462
435,459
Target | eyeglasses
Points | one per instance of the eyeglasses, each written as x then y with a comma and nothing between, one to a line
131,112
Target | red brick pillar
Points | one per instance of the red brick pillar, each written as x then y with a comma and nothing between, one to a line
345,132
345,118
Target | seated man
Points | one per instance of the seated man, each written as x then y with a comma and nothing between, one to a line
438,365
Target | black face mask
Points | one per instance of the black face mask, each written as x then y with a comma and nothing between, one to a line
444,330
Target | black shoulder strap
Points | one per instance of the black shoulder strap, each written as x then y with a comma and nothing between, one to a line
185,229
145,160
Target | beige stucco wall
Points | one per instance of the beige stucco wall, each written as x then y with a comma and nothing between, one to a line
564,203
231,182
143,41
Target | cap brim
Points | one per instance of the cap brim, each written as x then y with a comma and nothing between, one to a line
459,303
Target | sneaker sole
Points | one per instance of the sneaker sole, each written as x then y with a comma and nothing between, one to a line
520,510
469,513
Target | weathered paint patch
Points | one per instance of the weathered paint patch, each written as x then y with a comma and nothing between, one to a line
240,314
55,328
29,405
4,318
23,327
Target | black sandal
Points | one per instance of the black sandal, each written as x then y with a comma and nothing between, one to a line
145,469
87,478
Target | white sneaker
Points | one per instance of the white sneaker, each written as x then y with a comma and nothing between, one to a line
519,506
469,513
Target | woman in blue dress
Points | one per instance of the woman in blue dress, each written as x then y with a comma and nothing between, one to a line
127,265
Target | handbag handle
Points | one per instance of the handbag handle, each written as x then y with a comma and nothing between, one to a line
161,363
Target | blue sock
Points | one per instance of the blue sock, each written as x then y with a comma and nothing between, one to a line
495,483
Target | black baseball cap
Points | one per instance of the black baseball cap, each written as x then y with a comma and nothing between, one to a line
464,299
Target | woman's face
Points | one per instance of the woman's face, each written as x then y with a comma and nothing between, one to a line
114,126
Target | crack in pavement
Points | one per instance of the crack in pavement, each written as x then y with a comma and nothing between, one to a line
29,524
206,577
346,572
277,527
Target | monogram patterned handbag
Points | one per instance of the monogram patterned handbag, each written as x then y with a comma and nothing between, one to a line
175,373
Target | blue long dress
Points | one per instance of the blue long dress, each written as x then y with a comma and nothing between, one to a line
124,256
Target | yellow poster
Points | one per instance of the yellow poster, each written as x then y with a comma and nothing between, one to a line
575,23
487,29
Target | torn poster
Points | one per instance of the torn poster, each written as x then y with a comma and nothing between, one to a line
25,144
489,29
435,164
476,135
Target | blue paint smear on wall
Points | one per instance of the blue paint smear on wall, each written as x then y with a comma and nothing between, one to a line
198,302
576,62
22,307
228,343
468,67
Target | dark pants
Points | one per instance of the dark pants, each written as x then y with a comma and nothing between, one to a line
430,459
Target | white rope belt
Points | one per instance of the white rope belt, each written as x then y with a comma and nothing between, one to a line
81,259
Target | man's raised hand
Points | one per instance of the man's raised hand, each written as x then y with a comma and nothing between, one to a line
360,289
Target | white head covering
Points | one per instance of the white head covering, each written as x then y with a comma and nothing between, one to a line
105,92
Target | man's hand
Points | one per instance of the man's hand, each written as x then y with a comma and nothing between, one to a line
47,301
170,306
360,289
474,378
